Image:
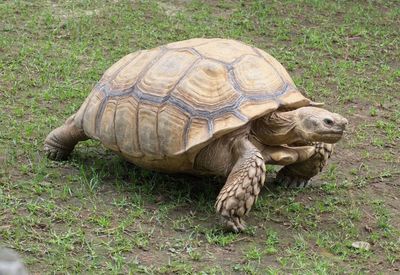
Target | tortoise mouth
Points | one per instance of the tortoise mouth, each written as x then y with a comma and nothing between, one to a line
327,136
331,136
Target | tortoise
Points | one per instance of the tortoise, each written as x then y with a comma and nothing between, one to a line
206,106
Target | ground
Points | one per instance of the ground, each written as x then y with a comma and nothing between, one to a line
96,213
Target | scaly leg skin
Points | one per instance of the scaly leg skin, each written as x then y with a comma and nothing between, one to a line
298,174
61,141
242,185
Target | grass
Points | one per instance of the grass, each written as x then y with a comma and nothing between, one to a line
96,213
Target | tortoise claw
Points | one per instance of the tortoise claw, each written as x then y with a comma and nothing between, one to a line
291,181
234,224
283,180
302,183
55,153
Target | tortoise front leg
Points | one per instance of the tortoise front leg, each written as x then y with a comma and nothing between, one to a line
242,185
298,174
284,155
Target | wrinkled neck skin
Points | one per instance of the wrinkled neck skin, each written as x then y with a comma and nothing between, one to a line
276,129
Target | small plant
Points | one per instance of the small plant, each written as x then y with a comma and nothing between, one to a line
373,111
103,221
220,238
271,242
194,255
91,180
253,254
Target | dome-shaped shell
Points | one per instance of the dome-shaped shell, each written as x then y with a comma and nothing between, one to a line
163,102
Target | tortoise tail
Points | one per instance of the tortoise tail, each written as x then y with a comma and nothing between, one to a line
61,141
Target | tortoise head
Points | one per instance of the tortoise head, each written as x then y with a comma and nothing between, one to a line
319,125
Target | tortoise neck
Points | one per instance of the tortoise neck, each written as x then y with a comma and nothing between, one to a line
276,128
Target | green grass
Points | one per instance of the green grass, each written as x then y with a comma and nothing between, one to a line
96,213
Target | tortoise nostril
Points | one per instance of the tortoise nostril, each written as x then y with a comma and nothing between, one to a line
344,123
328,121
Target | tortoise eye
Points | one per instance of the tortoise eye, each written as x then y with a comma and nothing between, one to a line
328,121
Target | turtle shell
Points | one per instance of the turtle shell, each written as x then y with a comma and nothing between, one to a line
165,102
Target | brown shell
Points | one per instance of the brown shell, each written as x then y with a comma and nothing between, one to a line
161,103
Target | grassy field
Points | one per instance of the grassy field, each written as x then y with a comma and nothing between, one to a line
96,213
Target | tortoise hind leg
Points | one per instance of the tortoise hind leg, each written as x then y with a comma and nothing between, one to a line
61,141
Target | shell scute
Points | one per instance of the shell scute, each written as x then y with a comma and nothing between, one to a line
293,99
172,124
226,123
224,50
166,72
206,87
277,66
126,127
256,76
93,108
116,67
189,43
147,130
198,132
106,128
254,110
130,72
